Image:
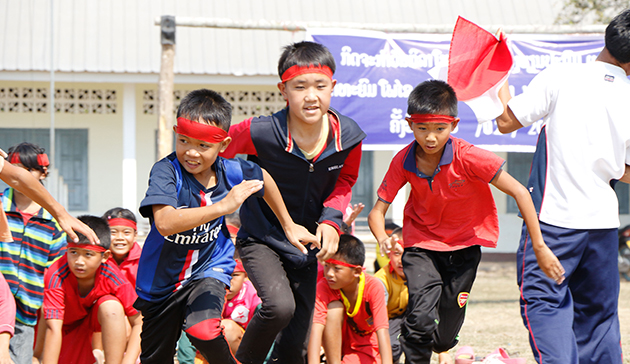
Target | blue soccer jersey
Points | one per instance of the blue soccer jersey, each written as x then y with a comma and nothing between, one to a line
169,262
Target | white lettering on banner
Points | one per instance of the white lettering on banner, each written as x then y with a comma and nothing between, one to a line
185,239
398,125
363,89
395,90
534,63
415,59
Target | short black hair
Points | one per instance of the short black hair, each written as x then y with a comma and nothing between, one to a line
28,153
233,219
351,249
305,54
397,231
206,106
119,213
432,97
618,37
100,227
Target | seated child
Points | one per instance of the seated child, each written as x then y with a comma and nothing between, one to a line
125,250
85,292
241,305
188,258
350,305
396,292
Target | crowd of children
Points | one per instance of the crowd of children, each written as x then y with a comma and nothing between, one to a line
207,286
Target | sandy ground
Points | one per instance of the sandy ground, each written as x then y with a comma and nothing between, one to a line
493,318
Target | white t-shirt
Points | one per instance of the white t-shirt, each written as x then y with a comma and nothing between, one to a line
586,115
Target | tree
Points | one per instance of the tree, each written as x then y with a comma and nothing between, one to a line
585,12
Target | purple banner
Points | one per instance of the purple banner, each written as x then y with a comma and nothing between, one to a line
377,71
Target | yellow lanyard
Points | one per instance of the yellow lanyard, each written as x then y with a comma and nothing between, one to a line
357,305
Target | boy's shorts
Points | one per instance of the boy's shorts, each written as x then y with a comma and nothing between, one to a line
76,345
163,322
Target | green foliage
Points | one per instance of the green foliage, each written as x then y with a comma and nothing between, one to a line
585,12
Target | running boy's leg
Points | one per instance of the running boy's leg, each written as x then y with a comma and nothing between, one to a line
203,321
288,296
547,308
595,289
425,288
266,272
459,269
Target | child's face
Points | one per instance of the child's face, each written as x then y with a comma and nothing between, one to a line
83,263
339,276
236,284
198,156
395,256
308,96
123,238
432,136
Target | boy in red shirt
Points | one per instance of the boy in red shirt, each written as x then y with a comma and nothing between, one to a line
124,247
85,292
350,305
449,215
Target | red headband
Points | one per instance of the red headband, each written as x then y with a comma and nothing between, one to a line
42,159
337,262
296,70
96,248
205,132
119,221
430,118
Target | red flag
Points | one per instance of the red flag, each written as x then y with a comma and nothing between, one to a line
477,60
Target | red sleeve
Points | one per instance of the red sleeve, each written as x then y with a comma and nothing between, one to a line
342,194
54,294
394,179
323,298
376,297
241,140
127,296
482,163
7,308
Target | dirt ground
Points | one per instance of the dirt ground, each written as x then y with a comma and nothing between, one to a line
493,318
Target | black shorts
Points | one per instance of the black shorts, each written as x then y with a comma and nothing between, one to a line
163,322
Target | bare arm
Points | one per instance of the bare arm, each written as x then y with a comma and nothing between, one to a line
384,346
23,181
5,357
507,122
52,344
296,234
133,345
547,261
315,343
626,175
376,221
169,220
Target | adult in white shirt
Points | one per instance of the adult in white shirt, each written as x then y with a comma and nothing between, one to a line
583,147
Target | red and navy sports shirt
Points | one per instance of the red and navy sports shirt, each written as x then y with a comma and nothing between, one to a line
169,262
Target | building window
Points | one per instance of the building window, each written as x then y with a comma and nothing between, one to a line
519,165
67,100
245,103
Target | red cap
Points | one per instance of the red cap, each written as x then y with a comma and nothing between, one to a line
239,266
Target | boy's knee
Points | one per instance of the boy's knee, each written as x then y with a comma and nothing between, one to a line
280,310
231,330
205,330
110,310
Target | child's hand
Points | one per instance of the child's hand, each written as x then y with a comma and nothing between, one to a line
385,246
549,264
356,210
239,193
299,236
329,239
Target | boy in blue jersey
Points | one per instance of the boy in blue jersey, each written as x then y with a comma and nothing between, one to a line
187,259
